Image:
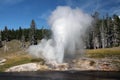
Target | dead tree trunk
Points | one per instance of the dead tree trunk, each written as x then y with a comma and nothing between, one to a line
23,41
115,36
5,46
102,34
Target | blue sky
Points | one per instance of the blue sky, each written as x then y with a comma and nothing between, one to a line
15,13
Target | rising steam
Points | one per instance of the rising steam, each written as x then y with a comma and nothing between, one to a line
68,26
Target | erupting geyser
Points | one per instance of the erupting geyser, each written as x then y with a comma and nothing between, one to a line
67,25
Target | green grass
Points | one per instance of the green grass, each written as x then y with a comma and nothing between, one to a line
102,53
16,56
111,53
14,62
17,60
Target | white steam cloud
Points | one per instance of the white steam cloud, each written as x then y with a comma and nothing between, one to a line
67,25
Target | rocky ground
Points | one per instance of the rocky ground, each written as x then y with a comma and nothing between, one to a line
107,59
94,64
79,64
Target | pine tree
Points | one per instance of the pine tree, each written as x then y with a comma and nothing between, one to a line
32,33
109,32
6,34
13,34
116,30
96,31
108,27
19,33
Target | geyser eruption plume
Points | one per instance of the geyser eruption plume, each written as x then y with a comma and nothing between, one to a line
67,25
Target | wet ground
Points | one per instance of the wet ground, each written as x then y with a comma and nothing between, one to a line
61,75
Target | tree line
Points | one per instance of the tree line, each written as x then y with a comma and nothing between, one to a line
104,33
31,34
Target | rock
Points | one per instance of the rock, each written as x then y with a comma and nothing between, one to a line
24,67
2,61
80,64
36,67
62,67
43,67
107,66
94,64
53,65
85,64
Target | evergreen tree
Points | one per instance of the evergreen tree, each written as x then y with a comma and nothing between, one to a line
13,34
116,30
32,33
27,36
109,32
96,31
19,33
6,34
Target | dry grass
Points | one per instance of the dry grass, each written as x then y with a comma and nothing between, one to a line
112,53
15,55
17,59
102,53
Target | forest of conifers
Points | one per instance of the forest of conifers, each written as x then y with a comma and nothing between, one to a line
104,33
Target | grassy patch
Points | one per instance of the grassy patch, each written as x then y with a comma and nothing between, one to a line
17,60
12,46
15,55
102,53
